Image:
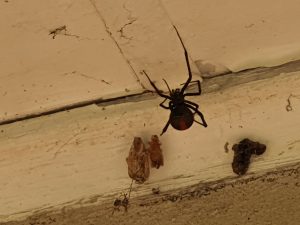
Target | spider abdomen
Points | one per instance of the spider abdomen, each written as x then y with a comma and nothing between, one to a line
181,117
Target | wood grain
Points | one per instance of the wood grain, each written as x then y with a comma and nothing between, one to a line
78,156
40,72
222,37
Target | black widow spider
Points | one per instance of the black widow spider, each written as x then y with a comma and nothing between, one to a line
181,117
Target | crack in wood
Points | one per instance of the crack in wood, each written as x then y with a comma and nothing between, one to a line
58,30
116,43
86,76
209,85
76,105
62,30
121,31
131,21
59,150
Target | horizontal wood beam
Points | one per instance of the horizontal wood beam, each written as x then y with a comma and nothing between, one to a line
71,157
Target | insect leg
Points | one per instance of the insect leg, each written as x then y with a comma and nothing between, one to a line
167,86
195,107
163,106
125,202
187,63
191,103
166,127
196,93
156,89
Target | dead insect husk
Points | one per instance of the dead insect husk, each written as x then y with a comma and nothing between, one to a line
155,152
138,161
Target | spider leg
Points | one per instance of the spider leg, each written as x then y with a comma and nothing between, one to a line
199,123
187,102
163,106
166,127
187,63
156,89
194,81
167,86
196,93
195,107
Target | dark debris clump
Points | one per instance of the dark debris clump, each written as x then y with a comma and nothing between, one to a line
242,154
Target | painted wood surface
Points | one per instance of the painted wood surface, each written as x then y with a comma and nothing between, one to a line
237,35
62,53
45,65
78,156
147,38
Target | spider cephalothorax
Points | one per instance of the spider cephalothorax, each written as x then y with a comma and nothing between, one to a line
176,96
182,115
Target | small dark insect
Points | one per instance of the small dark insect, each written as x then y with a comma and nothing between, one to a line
155,152
118,203
122,202
182,111
242,154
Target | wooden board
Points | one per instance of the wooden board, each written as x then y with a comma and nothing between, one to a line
41,72
75,156
269,197
237,35
60,54
146,35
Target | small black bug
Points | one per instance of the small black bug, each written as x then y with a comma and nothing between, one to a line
182,115
122,202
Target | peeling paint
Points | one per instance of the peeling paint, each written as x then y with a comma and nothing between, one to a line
211,69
